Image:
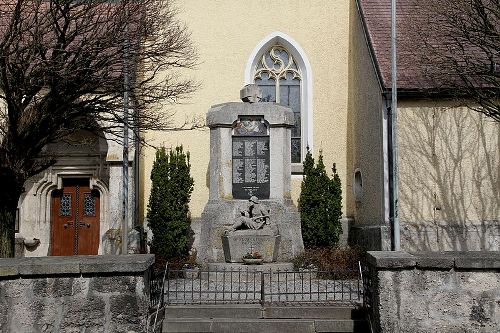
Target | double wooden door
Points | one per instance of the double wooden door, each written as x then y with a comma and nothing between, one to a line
75,219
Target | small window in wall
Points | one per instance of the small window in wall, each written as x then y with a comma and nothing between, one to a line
280,80
358,185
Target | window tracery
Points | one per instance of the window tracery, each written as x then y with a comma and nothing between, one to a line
280,79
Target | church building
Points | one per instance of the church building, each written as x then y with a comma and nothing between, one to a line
329,61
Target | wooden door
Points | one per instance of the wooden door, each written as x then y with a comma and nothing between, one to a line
75,219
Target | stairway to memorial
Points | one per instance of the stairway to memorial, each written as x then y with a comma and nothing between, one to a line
254,318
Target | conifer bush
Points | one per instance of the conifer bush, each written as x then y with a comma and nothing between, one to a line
320,205
168,208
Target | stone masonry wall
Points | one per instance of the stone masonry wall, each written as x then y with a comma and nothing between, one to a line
74,294
445,292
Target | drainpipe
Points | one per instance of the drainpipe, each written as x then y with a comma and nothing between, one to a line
136,176
396,242
125,142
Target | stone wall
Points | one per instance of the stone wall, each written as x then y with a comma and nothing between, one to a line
431,292
75,294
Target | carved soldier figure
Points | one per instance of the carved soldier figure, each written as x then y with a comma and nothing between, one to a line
254,217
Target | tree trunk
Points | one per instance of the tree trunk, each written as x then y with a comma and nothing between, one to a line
7,233
12,187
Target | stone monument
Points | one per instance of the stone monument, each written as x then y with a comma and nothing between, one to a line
249,207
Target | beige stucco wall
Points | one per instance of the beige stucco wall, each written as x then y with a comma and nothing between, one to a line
225,33
366,132
449,171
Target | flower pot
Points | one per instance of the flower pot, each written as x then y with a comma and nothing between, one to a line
252,261
191,273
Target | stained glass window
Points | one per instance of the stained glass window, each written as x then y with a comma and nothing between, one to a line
88,204
279,79
65,207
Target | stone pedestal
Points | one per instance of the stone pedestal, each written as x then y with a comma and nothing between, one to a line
219,215
238,243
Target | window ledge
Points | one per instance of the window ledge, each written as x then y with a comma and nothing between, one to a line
297,169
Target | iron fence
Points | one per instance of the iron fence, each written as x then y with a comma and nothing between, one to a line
157,301
257,287
155,289
367,275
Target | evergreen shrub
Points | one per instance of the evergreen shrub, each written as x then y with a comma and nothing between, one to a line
320,205
168,208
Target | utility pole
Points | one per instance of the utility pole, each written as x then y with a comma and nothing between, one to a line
125,177
396,244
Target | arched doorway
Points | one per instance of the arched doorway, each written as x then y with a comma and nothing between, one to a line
75,218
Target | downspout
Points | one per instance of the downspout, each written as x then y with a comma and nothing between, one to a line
393,114
125,161
391,144
136,178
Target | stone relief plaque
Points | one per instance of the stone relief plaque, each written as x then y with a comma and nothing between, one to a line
250,159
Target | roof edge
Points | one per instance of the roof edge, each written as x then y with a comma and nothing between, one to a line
371,51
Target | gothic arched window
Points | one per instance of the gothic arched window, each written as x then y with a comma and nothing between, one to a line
279,66
279,79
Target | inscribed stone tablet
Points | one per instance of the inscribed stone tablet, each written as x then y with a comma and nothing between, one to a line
251,167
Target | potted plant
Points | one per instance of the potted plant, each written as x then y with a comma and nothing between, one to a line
253,258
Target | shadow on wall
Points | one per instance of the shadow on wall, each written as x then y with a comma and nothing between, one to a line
449,176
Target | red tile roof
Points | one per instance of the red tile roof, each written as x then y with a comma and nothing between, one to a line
376,15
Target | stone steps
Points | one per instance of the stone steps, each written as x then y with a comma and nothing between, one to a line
254,318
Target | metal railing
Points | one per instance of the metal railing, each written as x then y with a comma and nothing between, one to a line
367,275
256,287
155,289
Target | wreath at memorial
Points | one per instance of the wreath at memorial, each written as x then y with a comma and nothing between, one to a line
252,255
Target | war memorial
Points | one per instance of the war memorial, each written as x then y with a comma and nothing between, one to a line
249,207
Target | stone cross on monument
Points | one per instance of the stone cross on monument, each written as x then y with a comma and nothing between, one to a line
250,169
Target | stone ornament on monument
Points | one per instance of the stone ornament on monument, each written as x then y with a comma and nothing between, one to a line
249,207
254,229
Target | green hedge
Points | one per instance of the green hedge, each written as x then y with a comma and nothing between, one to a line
320,205
168,208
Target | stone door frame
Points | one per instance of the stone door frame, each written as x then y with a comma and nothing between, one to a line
75,232
52,180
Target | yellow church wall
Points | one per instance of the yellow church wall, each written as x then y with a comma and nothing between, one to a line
365,131
225,32
449,177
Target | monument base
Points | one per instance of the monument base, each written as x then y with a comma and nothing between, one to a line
219,215
238,243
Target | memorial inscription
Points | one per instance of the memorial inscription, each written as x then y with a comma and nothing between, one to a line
250,156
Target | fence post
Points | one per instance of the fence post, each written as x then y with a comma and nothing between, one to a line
262,295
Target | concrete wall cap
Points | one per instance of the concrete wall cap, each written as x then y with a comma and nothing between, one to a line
391,259
478,260
435,260
9,267
132,263
34,266
224,115
48,266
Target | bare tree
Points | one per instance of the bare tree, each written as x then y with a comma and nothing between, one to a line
457,45
63,65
